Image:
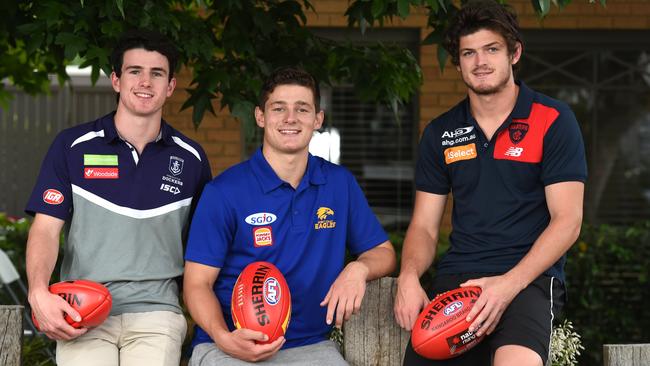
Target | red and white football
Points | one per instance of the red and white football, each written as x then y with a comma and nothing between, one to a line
441,331
261,300
92,300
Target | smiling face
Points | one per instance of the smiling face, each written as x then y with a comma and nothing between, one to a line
144,84
289,119
484,62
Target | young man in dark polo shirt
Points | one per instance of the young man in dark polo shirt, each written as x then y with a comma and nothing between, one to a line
514,161
122,187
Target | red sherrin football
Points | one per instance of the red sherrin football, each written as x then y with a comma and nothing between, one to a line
261,300
441,331
92,300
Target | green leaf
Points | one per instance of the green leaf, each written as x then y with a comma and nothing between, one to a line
542,7
442,57
403,8
73,44
378,8
120,7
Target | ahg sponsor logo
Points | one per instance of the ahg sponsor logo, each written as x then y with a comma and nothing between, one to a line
457,132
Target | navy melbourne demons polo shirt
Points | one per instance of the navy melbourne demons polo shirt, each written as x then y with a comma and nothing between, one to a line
498,185
125,213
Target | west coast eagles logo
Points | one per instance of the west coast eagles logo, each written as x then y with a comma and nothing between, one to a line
323,223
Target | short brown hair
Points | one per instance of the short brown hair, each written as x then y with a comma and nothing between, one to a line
482,14
289,76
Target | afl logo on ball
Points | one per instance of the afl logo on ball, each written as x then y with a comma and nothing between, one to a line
457,305
271,291
53,197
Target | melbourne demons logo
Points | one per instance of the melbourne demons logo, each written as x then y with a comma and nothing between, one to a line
176,165
517,131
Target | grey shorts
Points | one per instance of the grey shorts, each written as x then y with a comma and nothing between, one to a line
324,353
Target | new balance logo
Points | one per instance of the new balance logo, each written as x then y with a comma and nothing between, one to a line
514,151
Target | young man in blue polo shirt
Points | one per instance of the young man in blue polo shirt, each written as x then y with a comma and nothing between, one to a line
514,161
292,209
123,187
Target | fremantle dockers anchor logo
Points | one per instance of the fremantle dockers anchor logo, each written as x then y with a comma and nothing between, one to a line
517,131
175,165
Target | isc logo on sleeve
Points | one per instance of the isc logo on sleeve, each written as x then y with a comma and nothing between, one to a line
458,153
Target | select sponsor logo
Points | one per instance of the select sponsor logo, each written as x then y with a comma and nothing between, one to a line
514,151
262,236
260,218
101,173
322,214
458,153
53,197
457,132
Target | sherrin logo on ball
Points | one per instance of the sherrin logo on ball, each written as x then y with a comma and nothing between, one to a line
90,299
441,331
261,300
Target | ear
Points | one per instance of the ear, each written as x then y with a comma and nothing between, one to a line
170,87
514,58
320,117
115,82
259,117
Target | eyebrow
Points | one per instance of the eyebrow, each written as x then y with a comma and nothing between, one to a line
281,102
138,67
495,43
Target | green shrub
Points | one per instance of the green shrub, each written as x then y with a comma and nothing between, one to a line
607,282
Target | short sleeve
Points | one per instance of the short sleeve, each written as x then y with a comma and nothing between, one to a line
564,152
364,230
212,228
52,193
430,172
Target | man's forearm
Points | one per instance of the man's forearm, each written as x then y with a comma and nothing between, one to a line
380,261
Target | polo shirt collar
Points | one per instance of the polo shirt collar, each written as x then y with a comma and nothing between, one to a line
269,180
524,101
110,132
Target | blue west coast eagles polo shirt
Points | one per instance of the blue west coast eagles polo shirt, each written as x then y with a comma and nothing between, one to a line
125,213
498,185
249,214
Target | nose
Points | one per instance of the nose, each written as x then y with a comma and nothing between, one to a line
292,116
145,79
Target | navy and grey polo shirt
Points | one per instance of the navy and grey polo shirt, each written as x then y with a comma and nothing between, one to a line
249,214
126,214
498,185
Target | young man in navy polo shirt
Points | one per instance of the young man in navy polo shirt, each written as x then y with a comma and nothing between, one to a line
514,161
292,209
123,187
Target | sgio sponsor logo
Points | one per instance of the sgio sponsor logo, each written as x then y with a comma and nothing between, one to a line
260,218
169,188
